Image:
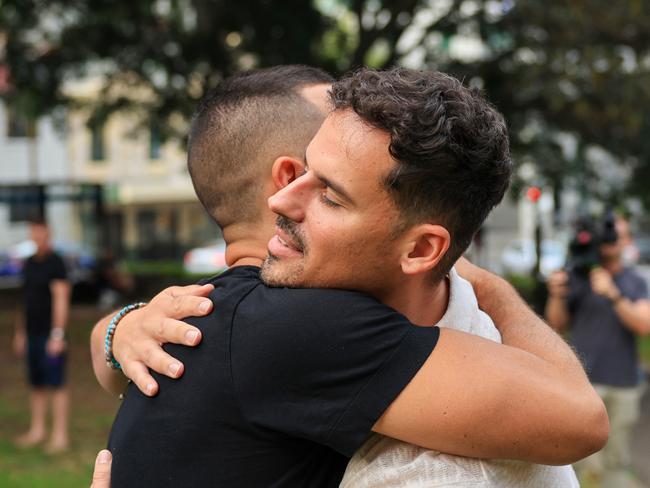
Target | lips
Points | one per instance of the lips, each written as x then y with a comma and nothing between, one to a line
283,244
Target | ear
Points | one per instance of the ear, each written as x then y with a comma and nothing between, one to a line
424,247
286,169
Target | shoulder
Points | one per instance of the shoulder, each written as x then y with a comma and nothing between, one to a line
300,327
633,277
316,307
635,283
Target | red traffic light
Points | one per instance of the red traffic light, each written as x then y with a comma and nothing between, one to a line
533,193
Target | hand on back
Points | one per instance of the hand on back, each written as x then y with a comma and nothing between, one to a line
139,336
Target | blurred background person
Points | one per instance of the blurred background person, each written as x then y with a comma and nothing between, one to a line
40,337
605,304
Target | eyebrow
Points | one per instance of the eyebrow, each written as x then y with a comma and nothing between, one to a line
327,182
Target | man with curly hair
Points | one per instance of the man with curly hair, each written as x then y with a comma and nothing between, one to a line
288,383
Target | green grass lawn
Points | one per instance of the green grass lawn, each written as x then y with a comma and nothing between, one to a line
92,412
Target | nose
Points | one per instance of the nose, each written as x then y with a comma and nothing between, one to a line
291,200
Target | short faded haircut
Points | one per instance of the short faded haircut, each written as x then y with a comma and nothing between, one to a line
240,128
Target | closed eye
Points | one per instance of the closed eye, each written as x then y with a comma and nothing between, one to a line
327,201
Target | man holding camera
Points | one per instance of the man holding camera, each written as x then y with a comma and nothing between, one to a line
606,305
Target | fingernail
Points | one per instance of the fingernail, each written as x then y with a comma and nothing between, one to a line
173,368
104,457
205,306
149,387
191,336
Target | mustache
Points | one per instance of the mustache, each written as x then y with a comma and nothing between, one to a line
291,228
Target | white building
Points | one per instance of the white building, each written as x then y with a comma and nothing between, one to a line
33,168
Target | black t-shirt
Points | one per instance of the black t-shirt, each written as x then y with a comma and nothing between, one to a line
38,274
284,387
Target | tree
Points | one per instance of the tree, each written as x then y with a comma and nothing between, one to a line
576,67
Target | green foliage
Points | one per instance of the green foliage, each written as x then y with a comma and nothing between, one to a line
574,67
644,351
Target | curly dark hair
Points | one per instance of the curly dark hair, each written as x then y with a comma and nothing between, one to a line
450,145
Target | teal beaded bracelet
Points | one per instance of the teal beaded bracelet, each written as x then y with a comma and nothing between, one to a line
111,362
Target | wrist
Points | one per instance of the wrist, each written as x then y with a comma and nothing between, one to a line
616,298
111,362
57,334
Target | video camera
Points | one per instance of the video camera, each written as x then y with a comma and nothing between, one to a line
584,249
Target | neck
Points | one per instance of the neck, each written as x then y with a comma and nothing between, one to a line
246,245
422,302
42,251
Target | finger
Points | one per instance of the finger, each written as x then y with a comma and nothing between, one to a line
185,306
150,355
167,330
161,362
102,473
138,373
199,290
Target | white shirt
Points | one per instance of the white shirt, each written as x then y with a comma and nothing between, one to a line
386,462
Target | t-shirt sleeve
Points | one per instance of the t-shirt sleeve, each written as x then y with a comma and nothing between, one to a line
640,291
57,270
322,365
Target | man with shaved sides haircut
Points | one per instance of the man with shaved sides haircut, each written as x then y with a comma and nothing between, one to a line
237,130
287,383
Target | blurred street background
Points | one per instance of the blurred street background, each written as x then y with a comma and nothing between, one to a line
95,99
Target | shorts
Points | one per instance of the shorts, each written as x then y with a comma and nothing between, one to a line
42,369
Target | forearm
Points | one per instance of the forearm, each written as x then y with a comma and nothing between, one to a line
556,313
634,315
111,380
60,305
511,404
520,327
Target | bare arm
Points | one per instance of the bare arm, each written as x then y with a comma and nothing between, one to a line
556,311
20,336
139,335
527,399
60,290
111,380
634,315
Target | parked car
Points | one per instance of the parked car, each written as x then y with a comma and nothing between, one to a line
9,271
8,266
206,260
519,257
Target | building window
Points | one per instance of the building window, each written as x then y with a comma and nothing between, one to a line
154,139
97,141
19,126
25,202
